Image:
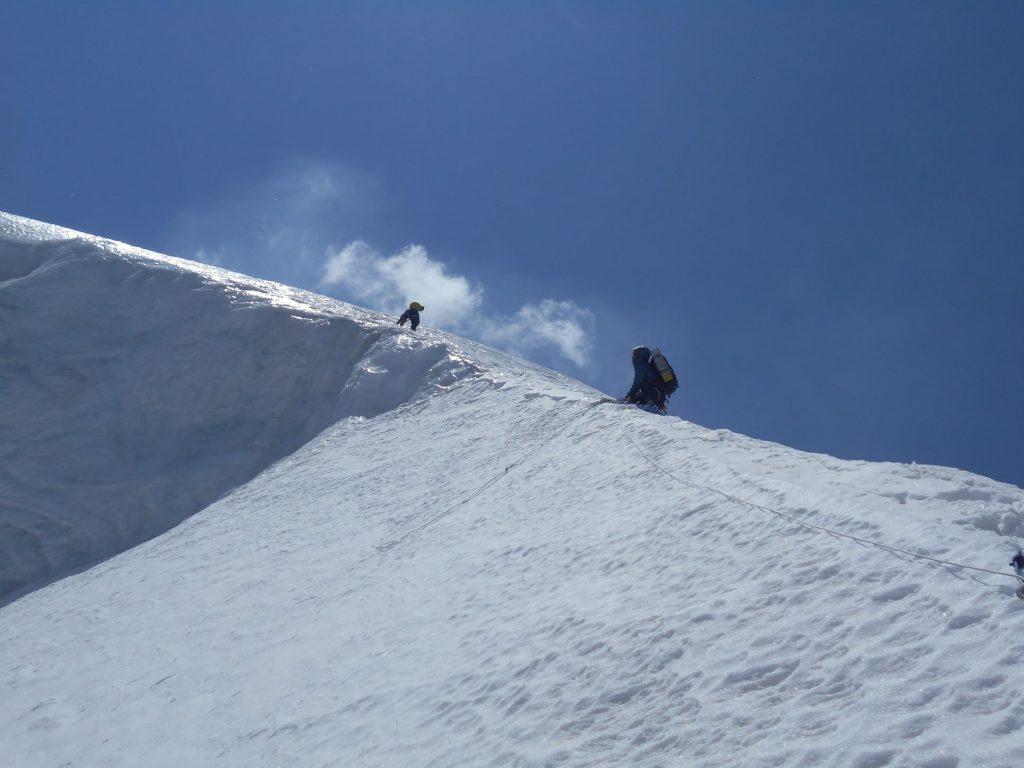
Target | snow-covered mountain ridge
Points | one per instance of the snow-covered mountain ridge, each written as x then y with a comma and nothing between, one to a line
139,388
551,598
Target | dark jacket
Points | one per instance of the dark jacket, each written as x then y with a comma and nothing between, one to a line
645,388
412,316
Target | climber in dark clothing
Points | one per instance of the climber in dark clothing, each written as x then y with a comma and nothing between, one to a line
412,314
647,388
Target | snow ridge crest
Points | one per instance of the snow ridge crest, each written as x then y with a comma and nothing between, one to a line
140,388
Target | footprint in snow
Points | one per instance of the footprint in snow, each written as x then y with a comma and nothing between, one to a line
756,678
967,619
897,593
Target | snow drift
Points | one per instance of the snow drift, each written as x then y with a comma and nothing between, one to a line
482,567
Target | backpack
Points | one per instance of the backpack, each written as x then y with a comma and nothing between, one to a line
665,373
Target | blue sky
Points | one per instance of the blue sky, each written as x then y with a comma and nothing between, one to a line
815,209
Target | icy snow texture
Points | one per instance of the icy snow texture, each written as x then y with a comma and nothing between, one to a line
582,609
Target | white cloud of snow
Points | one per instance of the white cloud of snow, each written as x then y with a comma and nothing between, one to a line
213,258
563,325
389,283
281,228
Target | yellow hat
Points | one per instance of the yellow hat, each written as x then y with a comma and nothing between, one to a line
417,306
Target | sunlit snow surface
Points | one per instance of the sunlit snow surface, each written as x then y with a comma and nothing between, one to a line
139,388
581,609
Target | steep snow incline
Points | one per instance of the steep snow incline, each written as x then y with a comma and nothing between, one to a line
137,389
551,597
583,609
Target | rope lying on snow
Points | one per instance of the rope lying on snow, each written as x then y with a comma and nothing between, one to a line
389,544
806,524
383,547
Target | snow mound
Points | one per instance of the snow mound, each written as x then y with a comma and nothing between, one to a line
139,388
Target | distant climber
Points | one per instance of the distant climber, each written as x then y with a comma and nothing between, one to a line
1018,563
653,380
412,314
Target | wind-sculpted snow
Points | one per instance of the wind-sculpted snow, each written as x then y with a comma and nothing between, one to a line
137,389
497,576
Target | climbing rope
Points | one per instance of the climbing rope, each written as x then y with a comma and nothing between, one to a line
389,544
806,524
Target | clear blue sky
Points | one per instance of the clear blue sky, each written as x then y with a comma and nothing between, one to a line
815,209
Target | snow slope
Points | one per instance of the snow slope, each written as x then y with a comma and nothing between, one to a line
138,389
484,568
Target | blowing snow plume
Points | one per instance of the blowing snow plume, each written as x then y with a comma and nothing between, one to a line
140,388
